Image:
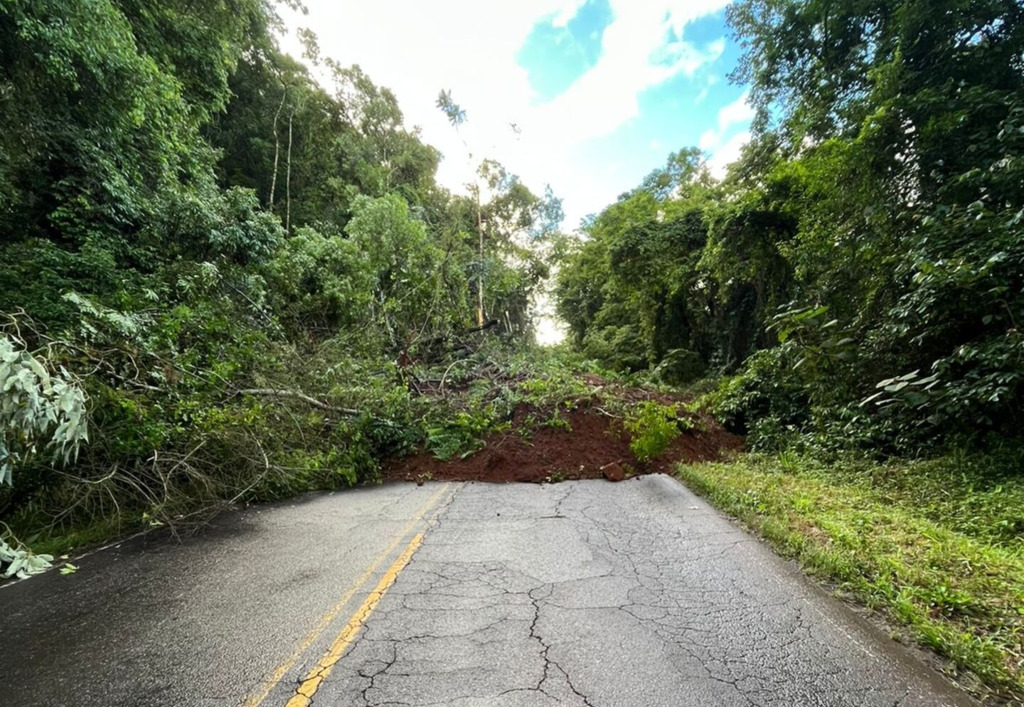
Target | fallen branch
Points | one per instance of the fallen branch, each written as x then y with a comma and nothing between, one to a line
484,326
445,376
299,395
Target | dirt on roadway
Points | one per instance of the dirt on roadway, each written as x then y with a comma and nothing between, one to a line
592,445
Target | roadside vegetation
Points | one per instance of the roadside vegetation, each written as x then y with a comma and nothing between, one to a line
220,278
223,281
943,565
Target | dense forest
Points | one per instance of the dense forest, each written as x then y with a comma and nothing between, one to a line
197,232
861,267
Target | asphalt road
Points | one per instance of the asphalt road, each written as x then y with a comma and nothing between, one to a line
580,593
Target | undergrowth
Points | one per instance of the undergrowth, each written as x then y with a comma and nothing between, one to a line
652,428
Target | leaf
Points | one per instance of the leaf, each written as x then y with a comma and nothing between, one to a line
867,400
17,563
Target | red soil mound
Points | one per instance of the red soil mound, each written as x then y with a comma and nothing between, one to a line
595,447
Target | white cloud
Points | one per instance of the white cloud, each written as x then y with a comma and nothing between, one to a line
418,48
727,149
636,55
706,91
563,16
709,140
728,153
739,112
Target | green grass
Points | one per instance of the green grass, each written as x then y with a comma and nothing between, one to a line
70,541
899,538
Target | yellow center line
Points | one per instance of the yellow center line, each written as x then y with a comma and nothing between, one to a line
311,683
282,670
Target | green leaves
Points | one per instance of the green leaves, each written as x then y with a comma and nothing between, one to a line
460,436
452,110
37,408
149,151
18,561
889,132
678,264
794,320
910,389
405,268
652,427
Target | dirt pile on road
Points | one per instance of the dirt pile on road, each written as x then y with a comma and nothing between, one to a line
592,445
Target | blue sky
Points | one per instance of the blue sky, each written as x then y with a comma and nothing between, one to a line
600,91
555,57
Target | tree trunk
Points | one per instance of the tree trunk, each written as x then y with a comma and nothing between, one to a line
480,274
288,180
277,148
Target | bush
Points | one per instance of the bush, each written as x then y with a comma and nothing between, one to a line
652,428
319,282
763,402
679,367
620,348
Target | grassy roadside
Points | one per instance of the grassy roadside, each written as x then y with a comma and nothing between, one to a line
951,577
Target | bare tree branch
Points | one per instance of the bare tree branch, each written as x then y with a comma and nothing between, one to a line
299,395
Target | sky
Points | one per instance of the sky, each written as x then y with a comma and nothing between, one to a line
587,96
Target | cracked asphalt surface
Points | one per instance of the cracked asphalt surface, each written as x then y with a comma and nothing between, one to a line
580,593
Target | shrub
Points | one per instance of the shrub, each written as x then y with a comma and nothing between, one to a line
680,366
763,402
652,428
458,436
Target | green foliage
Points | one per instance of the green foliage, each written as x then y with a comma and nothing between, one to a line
37,408
871,231
680,366
407,286
455,114
16,560
674,267
458,436
225,258
319,283
239,230
101,125
652,427
763,402
558,387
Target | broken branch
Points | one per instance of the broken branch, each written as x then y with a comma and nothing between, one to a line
299,395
